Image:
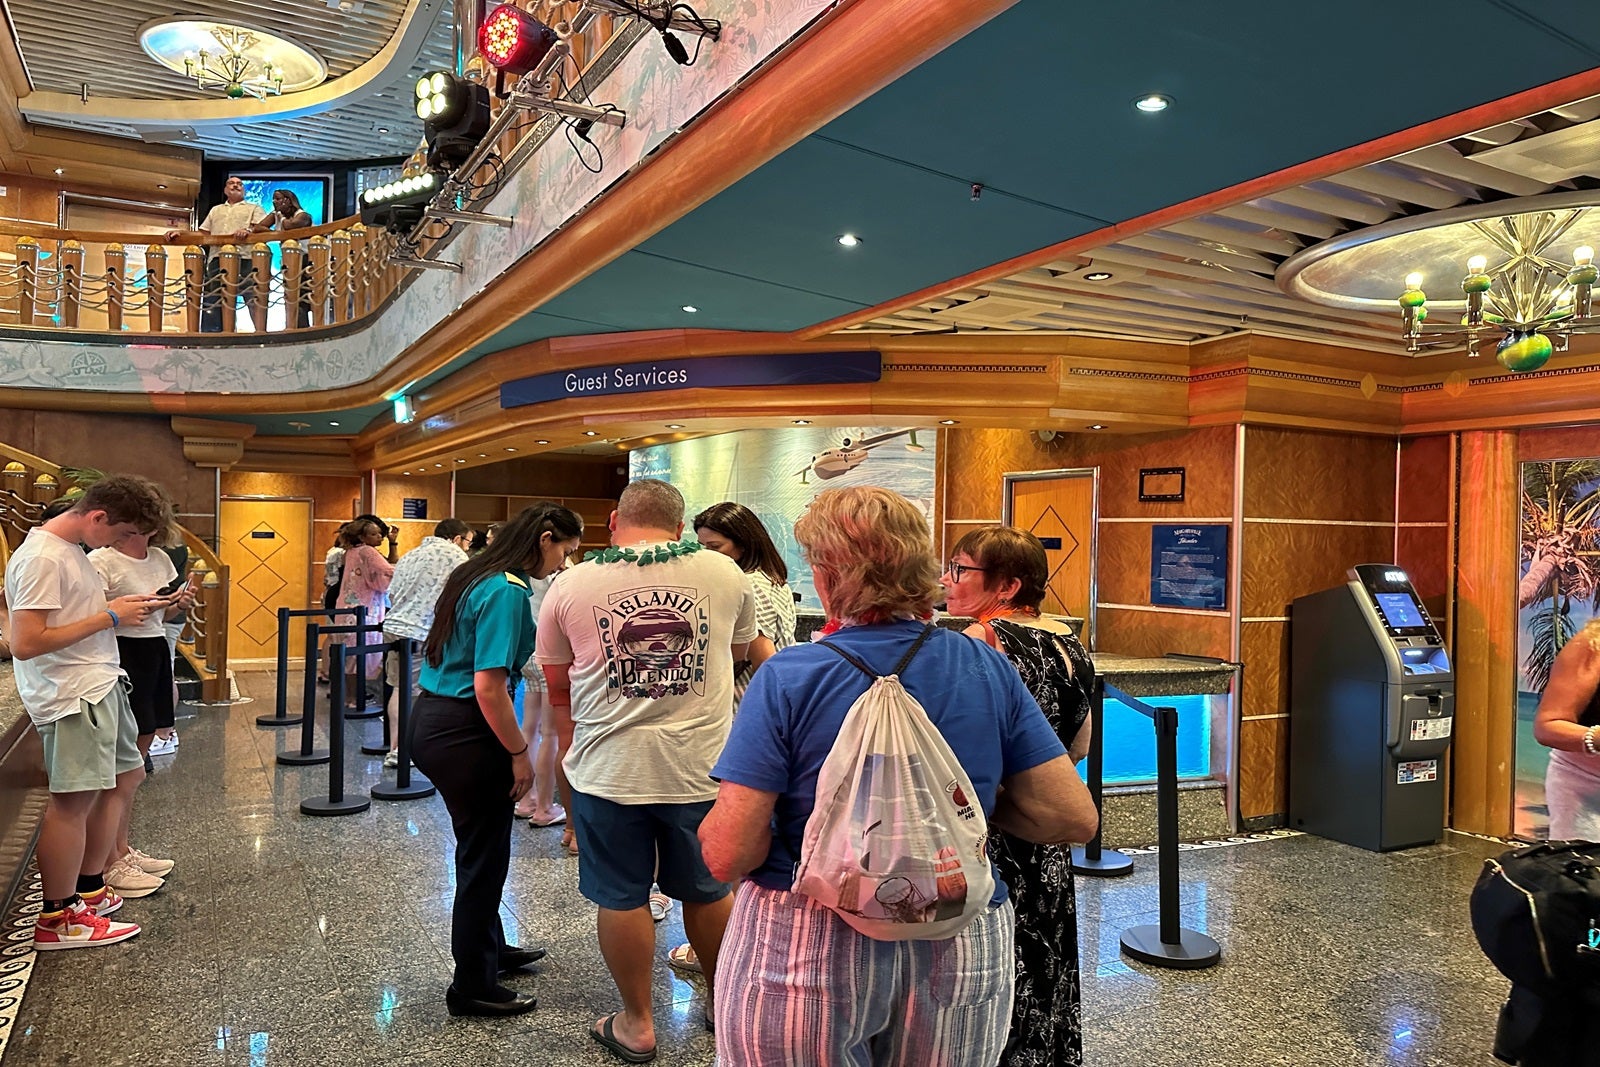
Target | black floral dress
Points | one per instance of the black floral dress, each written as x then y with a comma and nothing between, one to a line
1046,1021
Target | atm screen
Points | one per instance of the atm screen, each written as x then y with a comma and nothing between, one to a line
1401,611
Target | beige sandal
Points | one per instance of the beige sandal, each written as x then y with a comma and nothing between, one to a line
683,958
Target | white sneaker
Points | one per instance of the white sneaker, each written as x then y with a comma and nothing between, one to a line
174,736
164,746
391,758
130,881
149,864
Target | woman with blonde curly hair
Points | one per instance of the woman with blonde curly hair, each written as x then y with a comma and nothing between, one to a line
936,1001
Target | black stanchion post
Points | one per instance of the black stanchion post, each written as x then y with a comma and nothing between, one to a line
308,716
381,746
1168,944
406,787
360,711
335,802
1090,858
281,717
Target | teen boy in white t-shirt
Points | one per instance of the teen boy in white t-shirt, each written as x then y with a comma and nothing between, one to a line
70,681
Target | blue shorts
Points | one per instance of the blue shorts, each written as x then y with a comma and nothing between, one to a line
623,848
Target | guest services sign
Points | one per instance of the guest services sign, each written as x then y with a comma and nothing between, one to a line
707,372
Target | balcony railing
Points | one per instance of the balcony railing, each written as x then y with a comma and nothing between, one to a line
102,282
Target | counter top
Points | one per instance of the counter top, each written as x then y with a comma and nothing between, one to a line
1162,677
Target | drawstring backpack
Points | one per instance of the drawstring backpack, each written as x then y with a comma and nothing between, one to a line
895,844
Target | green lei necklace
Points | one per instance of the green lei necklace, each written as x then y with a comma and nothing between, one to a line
658,554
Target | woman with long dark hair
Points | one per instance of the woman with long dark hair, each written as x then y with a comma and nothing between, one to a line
735,531
465,738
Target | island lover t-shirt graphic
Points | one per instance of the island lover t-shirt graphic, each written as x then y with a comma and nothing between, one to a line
655,643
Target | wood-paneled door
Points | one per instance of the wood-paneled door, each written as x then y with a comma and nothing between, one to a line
266,543
1060,507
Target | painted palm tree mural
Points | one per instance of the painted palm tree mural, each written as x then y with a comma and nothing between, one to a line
1558,593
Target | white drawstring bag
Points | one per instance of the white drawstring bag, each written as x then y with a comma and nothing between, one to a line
895,844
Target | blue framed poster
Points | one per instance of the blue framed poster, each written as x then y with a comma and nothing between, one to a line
1189,566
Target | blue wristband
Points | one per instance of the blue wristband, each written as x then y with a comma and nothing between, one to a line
115,622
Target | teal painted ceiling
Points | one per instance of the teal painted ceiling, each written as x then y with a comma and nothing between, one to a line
1036,106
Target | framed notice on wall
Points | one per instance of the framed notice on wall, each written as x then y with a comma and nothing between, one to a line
1189,566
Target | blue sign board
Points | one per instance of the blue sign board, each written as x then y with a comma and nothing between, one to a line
1189,566
706,372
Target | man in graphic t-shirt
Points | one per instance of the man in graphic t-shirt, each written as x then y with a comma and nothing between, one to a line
638,649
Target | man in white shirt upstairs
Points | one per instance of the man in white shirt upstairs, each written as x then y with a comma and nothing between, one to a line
72,685
235,217
414,591
638,648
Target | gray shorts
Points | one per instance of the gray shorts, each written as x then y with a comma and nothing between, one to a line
391,665
87,751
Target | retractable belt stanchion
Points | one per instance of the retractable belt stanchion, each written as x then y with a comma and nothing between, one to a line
281,716
336,803
362,631
307,754
1168,944
406,787
1090,858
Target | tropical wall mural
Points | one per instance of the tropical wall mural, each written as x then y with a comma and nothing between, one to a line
1559,592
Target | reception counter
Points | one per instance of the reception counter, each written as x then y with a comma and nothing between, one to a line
22,783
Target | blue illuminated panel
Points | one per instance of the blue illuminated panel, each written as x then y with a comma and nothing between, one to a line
1400,611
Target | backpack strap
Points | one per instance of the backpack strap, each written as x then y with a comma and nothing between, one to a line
899,668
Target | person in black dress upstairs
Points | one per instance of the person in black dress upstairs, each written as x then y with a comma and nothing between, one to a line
997,575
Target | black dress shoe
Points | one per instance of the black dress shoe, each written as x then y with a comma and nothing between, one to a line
459,1004
513,958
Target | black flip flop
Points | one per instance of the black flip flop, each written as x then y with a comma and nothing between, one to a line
605,1033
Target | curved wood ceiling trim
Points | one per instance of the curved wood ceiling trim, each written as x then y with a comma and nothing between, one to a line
1507,109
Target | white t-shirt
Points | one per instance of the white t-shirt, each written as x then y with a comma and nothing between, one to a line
652,672
53,575
537,588
125,576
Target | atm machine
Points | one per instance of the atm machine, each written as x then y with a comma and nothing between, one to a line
1371,703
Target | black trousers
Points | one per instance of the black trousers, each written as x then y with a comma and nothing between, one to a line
452,744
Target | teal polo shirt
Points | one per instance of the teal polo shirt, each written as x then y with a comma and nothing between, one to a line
494,630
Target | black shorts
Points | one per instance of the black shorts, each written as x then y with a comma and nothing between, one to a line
330,598
149,667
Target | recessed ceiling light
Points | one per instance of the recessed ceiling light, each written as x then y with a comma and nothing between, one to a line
541,441
438,464
61,170
510,450
383,129
460,461
802,422
849,240
1153,102
1098,426
690,308
591,433
158,186
674,425
948,422
1097,276
406,473
333,424
483,455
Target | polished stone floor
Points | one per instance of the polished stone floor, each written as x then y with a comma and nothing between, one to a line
283,939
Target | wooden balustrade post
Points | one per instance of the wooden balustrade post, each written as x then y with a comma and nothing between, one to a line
360,271
339,274
260,290
194,280
217,643
155,286
228,257
116,285
294,281
317,249
27,278
70,263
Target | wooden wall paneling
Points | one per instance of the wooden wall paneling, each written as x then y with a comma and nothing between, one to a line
393,489
1426,475
1263,768
1124,563
1206,454
1294,474
1286,560
548,475
1155,633
1265,653
1486,633
1559,442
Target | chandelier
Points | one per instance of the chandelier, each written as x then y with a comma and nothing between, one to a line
233,69
1531,302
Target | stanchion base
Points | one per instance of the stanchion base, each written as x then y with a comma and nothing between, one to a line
324,806
368,713
295,759
375,748
420,787
1193,952
1111,864
273,720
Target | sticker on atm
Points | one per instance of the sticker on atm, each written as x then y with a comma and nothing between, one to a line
1431,729
1422,770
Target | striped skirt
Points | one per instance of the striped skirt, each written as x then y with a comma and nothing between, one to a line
798,987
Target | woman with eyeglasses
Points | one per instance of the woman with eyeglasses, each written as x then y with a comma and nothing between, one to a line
997,575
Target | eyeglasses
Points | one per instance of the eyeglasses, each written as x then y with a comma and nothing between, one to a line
956,570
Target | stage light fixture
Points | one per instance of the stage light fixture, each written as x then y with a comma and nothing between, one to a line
455,117
513,41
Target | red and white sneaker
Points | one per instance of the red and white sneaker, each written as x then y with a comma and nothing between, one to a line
105,902
80,927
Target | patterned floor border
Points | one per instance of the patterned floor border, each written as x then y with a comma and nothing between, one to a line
1253,838
16,950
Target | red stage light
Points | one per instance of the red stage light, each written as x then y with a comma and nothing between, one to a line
513,40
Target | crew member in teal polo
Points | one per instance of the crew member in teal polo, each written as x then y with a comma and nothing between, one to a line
464,736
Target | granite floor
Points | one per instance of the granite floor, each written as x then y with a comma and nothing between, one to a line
283,939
